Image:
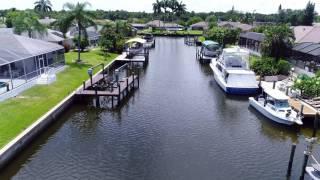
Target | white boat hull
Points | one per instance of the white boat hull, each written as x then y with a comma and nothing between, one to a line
229,89
272,116
312,173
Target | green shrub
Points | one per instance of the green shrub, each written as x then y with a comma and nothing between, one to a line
284,67
309,86
267,66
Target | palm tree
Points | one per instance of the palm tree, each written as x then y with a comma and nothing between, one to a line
77,16
27,22
43,6
157,7
180,8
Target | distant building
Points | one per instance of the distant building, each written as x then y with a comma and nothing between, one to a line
252,41
47,21
164,26
92,32
236,25
203,25
138,26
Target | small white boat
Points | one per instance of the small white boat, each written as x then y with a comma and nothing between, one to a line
231,72
150,41
208,50
135,46
274,105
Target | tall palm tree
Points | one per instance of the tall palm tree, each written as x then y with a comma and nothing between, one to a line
43,6
78,16
28,22
157,7
180,8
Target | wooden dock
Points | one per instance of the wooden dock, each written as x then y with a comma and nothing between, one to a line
308,111
116,91
139,58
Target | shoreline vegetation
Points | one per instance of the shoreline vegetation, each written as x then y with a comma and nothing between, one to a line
20,112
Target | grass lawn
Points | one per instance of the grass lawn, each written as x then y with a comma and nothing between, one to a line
16,114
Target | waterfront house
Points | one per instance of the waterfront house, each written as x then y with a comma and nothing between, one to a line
23,60
203,25
307,34
138,26
92,32
251,41
235,25
305,57
52,36
157,24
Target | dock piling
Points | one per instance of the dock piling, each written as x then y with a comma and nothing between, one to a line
96,95
293,149
127,88
301,109
315,125
274,85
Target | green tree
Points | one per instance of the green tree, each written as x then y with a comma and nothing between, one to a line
27,21
112,39
281,15
212,21
309,14
43,7
277,40
223,36
79,16
194,19
9,17
84,43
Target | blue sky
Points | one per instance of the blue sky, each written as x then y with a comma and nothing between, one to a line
262,6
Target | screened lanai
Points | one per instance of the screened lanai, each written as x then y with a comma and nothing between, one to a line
306,56
23,59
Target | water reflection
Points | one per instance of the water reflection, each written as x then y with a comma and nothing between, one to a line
178,125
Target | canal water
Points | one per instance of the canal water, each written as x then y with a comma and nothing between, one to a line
177,125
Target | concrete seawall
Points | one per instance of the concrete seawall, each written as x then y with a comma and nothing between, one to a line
15,146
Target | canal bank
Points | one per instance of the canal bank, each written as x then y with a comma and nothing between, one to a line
178,125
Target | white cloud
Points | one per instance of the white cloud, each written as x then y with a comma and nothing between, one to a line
261,6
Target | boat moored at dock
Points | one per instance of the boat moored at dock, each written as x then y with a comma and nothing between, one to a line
232,73
274,105
208,50
150,40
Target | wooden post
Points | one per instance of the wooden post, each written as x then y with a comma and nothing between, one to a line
84,85
274,85
119,95
301,109
305,161
138,76
315,125
127,81
102,70
91,80
112,101
133,79
96,95
293,149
